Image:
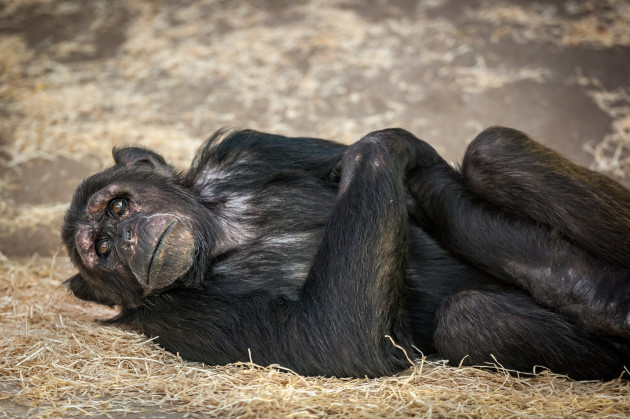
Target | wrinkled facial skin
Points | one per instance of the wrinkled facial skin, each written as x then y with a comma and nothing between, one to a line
127,233
157,248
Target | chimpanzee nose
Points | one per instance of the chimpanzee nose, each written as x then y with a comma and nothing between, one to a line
125,237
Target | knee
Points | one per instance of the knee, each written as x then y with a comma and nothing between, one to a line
495,141
458,320
457,323
461,309
494,148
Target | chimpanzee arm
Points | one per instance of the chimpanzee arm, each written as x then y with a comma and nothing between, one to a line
352,296
556,273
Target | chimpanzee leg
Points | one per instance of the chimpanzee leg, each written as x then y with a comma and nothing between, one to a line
556,272
474,326
506,167
352,297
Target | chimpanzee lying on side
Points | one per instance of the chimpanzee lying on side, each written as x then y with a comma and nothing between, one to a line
308,253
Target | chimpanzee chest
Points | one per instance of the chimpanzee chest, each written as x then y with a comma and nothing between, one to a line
272,228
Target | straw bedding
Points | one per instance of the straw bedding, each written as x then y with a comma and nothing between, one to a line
77,78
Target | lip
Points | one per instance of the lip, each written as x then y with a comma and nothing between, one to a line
158,246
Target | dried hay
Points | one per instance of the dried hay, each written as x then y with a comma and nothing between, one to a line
56,360
602,24
612,154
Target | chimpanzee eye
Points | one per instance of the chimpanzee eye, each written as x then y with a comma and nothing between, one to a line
102,246
117,207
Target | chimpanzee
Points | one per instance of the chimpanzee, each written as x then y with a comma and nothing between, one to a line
312,255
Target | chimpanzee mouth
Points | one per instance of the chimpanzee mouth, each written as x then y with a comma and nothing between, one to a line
158,247
171,257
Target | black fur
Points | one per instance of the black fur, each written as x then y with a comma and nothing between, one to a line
308,253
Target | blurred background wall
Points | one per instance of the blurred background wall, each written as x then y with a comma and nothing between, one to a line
78,77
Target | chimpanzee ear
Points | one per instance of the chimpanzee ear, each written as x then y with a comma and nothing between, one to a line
141,156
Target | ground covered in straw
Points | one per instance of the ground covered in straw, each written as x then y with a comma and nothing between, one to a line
56,361
77,78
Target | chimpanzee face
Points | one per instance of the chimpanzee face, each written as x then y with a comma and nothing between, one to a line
128,231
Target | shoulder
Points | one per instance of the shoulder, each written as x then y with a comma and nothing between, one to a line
231,148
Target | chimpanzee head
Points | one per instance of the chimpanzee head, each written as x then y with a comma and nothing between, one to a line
130,230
